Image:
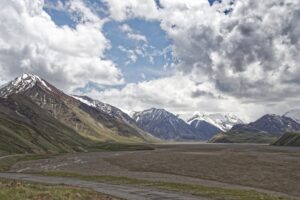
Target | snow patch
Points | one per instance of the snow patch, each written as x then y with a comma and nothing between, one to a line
21,84
85,101
222,121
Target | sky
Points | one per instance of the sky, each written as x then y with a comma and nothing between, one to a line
223,56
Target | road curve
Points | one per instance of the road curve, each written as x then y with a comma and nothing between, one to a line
120,191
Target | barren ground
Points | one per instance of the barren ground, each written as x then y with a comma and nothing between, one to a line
257,166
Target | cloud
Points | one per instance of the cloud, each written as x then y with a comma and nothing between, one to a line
125,28
249,53
69,57
246,49
121,10
174,93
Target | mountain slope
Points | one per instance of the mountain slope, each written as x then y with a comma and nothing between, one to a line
106,108
165,125
206,128
264,130
26,128
87,120
273,124
244,137
115,114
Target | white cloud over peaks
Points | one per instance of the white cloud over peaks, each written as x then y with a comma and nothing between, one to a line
31,42
179,94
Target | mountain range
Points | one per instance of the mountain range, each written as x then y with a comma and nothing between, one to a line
264,130
36,117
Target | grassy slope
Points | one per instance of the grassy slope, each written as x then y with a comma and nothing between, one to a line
22,190
26,128
85,120
103,130
289,139
234,137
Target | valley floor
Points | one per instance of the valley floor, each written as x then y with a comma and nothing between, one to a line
225,168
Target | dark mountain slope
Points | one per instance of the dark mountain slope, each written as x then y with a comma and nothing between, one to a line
165,125
273,124
206,128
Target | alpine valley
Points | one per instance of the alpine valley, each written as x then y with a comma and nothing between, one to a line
36,117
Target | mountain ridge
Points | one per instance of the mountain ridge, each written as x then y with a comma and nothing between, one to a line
165,125
86,120
266,129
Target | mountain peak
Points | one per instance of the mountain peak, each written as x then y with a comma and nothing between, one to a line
293,114
22,83
165,125
223,121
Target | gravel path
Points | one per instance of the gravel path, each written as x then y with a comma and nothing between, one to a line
120,191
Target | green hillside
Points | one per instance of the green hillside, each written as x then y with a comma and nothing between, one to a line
289,139
26,128
243,137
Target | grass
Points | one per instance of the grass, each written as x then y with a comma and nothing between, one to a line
288,139
17,190
6,163
244,137
113,146
215,193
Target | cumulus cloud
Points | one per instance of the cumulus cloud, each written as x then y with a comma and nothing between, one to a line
247,50
69,57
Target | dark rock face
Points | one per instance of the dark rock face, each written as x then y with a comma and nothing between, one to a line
165,125
206,128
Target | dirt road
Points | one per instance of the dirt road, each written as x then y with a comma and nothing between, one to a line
120,191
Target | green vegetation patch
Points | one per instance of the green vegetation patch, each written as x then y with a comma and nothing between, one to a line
114,146
289,139
215,193
17,190
244,137
7,162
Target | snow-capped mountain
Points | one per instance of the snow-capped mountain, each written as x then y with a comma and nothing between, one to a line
165,125
222,121
22,84
293,114
87,117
